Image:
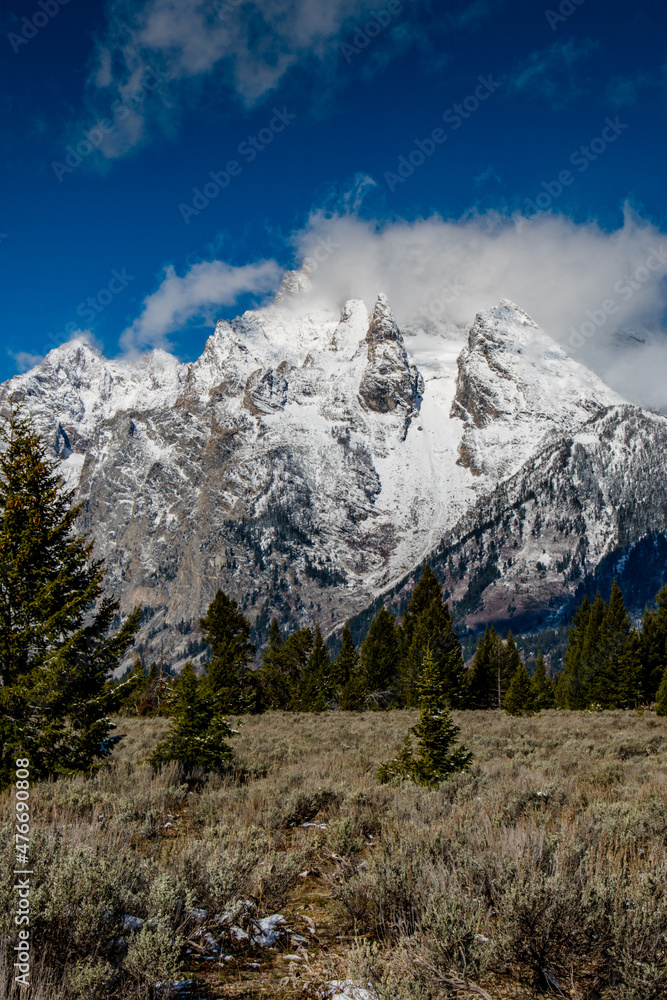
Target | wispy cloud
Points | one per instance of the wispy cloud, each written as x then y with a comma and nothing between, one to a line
553,73
244,48
197,295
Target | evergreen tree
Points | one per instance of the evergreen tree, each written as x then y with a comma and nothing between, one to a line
57,643
227,631
436,756
283,667
427,590
343,672
661,696
380,657
196,738
571,687
613,667
542,685
520,698
428,622
316,688
507,664
274,682
653,647
481,687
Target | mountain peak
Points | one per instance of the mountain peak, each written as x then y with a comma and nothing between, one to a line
516,385
292,284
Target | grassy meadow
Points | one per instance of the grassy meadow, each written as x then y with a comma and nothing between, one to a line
541,871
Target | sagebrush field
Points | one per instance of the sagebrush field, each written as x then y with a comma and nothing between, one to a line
543,869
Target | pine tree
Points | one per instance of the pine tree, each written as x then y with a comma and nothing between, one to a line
661,696
436,756
613,672
653,647
316,688
228,632
520,698
380,657
507,664
196,738
481,687
428,622
343,672
542,685
427,590
571,686
57,644
274,682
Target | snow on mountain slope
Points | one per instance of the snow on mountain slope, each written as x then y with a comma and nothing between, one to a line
515,384
306,460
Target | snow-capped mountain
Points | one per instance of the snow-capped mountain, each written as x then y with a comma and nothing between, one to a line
309,459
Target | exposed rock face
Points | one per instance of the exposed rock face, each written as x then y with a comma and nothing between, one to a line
576,510
389,381
515,384
305,462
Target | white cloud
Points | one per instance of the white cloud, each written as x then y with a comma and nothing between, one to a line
198,294
24,361
441,273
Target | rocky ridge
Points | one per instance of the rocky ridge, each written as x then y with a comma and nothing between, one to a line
310,459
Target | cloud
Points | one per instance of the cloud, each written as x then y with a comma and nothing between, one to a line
24,361
552,73
197,295
250,44
439,273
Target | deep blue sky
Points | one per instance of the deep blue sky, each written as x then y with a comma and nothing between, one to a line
356,113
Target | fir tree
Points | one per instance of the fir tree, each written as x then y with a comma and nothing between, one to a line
571,687
227,631
507,664
481,686
283,667
343,672
274,680
428,622
613,671
520,698
316,689
661,696
196,738
57,644
379,658
542,685
653,647
427,590
437,756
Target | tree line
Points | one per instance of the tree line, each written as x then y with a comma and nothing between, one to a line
60,638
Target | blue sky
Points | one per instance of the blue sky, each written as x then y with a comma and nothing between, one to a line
390,119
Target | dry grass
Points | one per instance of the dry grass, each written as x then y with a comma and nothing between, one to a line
548,861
